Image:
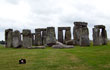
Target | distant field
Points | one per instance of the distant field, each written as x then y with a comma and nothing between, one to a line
78,58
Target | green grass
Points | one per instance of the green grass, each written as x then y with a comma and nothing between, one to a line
78,58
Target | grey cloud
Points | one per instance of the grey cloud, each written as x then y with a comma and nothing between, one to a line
13,1
46,13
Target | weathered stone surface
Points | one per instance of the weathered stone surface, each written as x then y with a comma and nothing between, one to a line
44,37
37,47
77,35
61,45
67,34
60,35
84,39
33,39
58,45
51,37
38,37
9,37
16,39
69,46
27,38
104,37
40,47
80,24
100,26
96,37
99,37
81,34
70,42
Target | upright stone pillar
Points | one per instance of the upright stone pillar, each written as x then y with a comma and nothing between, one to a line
9,37
51,38
44,37
27,38
104,36
16,39
99,35
60,35
81,34
96,37
84,39
76,34
38,37
67,34
33,39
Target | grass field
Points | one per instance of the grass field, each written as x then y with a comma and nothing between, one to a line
78,58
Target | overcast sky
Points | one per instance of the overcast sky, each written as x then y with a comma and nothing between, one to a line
31,14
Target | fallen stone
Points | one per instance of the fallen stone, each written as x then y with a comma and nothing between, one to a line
69,46
61,45
37,47
70,42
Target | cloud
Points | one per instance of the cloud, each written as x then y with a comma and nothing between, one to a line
13,1
31,14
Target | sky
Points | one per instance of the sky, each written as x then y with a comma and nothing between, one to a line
32,14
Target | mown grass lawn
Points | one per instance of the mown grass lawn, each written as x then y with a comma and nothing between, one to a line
78,58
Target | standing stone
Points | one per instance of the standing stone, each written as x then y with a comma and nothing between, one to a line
51,38
81,34
84,39
16,39
67,34
33,39
99,35
60,35
38,37
8,37
27,38
77,35
104,37
96,37
44,37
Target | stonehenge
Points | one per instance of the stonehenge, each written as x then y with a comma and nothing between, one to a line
47,37
81,34
99,35
42,37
